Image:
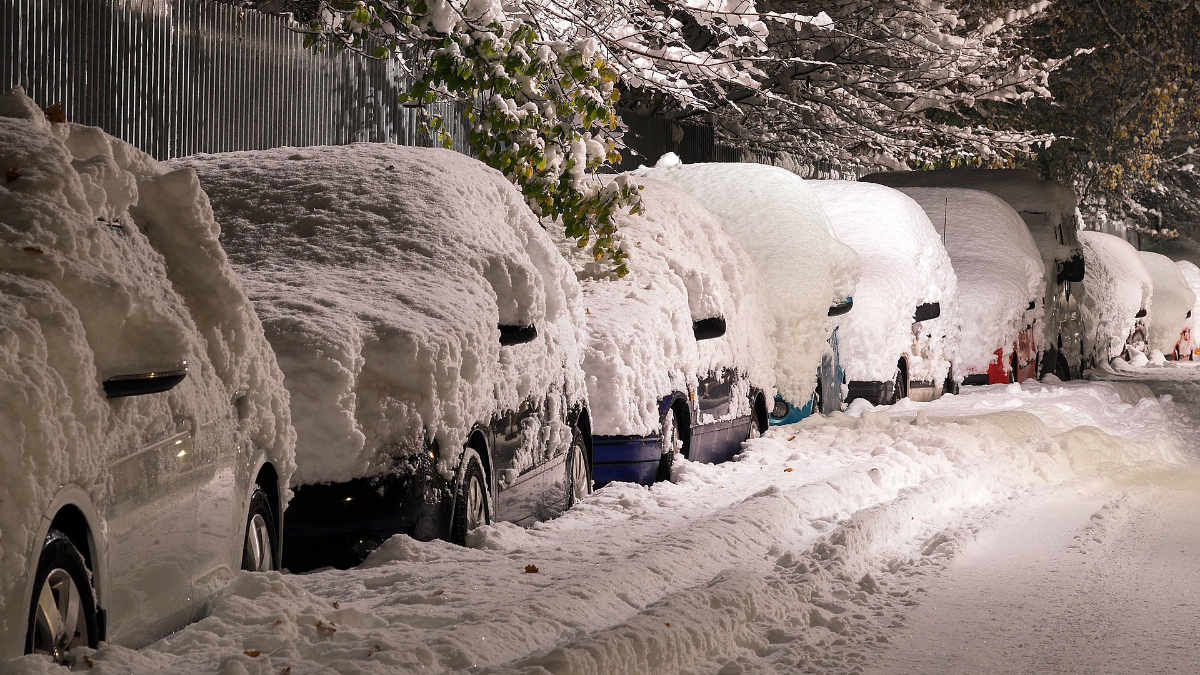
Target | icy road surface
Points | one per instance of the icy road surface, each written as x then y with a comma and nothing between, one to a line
1034,527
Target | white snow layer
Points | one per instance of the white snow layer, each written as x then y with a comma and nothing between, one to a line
1117,287
903,265
997,264
1191,274
381,273
110,265
778,220
640,347
1171,298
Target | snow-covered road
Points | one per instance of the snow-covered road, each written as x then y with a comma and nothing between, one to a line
1028,527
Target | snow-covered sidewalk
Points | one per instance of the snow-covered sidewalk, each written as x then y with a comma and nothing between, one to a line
805,554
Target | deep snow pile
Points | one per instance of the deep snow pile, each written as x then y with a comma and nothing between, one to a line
802,553
381,273
640,347
777,219
998,267
1118,287
903,264
110,266
1191,275
1170,301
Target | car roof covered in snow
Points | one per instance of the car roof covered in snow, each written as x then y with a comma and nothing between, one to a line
683,267
903,265
1171,298
1045,205
110,265
780,222
998,267
381,273
1117,288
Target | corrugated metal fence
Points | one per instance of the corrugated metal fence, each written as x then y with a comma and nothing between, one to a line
177,77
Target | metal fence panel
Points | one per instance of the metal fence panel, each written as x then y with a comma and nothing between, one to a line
178,77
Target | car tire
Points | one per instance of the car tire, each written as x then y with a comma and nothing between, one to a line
899,386
579,470
758,423
262,534
471,508
1062,370
670,444
818,399
62,595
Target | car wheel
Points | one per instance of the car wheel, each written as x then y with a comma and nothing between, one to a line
471,503
578,471
1061,369
758,422
818,399
258,549
899,385
62,614
670,445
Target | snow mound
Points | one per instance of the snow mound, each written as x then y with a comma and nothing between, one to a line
1117,288
903,265
683,267
778,220
381,273
110,266
996,262
1171,299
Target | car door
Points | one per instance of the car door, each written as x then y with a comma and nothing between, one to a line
515,437
714,406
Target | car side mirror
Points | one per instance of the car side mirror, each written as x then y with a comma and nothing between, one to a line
926,311
516,335
1032,304
152,382
707,329
842,307
1071,270
1141,313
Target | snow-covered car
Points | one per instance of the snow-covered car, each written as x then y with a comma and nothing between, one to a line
1186,348
1170,309
810,275
899,340
429,331
1117,298
677,354
999,272
145,436
1049,210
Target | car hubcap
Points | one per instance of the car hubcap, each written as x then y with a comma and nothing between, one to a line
579,478
60,623
475,503
258,544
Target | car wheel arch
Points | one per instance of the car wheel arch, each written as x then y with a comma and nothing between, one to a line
73,513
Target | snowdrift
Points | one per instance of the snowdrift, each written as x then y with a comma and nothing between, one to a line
1117,288
1171,298
640,346
903,265
110,265
381,273
996,263
775,216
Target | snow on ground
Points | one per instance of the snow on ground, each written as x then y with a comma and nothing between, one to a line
903,265
776,217
1170,301
805,554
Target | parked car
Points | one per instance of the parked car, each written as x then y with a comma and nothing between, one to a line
1187,346
144,429
429,332
1170,309
777,219
1049,210
1000,284
893,345
1114,308
678,355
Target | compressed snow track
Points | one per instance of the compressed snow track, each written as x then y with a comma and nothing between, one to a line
815,551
